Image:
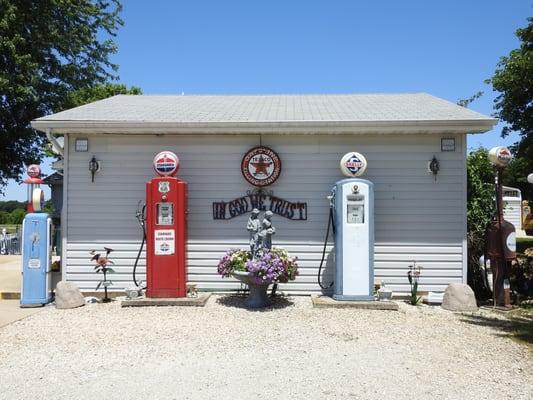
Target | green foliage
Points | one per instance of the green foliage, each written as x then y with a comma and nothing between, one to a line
9,206
17,216
480,209
48,49
466,102
513,79
4,218
413,275
95,93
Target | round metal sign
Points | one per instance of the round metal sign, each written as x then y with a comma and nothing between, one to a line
500,156
353,164
530,178
166,163
34,171
261,166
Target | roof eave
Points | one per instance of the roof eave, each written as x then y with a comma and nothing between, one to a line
286,127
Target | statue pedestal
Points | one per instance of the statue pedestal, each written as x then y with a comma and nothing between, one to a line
258,297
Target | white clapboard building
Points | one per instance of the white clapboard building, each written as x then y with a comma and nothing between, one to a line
419,216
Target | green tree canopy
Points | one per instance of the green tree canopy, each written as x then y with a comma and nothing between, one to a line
480,209
513,79
48,49
95,93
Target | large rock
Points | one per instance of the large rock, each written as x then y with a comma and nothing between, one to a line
459,297
68,295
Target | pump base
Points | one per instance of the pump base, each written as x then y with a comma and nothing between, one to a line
328,302
352,298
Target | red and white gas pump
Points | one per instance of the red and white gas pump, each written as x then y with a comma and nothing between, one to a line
166,229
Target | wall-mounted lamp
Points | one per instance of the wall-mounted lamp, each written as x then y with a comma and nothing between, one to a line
434,166
94,166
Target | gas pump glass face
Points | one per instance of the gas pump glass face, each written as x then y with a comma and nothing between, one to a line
165,214
355,214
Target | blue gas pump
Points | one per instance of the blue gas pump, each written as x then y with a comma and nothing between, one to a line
354,240
36,260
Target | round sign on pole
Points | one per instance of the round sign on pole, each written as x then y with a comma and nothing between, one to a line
34,171
500,156
261,166
166,163
353,164
530,178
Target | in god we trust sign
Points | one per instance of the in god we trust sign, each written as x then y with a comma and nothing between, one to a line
261,166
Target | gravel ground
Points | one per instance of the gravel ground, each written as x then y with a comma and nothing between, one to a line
223,351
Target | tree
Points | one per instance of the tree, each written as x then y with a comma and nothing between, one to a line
95,93
48,49
480,209
17,216
513,79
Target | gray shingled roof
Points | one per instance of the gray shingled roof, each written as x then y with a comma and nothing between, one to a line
212,110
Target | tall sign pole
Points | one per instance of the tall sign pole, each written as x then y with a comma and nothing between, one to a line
501,235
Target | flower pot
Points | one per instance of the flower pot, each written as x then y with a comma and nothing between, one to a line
258,297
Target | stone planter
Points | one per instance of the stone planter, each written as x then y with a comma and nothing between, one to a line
258,297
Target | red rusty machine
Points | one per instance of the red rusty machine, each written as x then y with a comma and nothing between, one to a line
166,229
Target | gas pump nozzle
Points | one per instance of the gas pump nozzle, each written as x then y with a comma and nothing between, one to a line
141,218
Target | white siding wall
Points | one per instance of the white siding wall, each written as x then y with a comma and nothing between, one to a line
417,218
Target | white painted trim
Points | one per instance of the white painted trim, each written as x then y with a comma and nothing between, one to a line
64,213
465,196
305,127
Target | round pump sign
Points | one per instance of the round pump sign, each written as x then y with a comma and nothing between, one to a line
353,164
34,171
500,156
166,163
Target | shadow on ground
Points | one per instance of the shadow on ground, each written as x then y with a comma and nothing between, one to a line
515,327
237,301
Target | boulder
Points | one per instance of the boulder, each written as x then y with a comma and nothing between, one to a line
68,296
459,297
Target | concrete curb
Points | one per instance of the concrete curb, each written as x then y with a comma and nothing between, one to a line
9,295
328,302
199,301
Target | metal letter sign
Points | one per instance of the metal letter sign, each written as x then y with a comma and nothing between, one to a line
263,201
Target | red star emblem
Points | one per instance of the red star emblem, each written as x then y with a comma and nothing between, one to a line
261,166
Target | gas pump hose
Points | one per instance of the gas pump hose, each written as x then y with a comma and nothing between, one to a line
331,225
140,220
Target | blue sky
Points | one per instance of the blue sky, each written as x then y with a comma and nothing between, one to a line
446,48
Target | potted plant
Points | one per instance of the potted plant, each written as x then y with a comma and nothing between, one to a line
413,275
269,266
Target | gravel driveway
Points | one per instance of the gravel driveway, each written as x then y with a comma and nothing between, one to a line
292,352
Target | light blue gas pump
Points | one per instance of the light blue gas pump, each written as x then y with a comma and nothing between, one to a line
351,218
36,288
36,260
354,240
